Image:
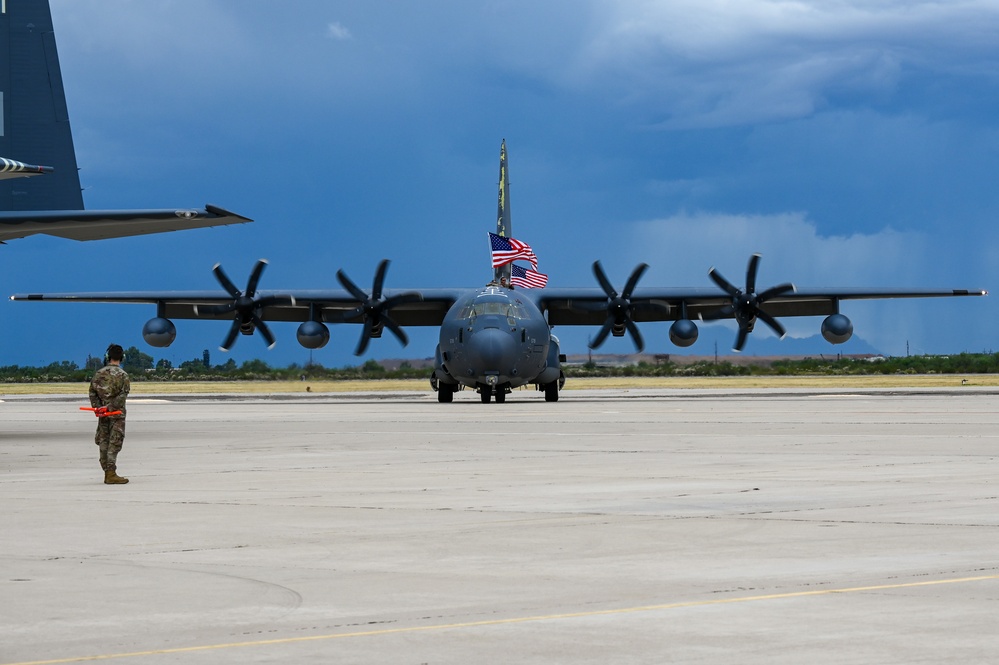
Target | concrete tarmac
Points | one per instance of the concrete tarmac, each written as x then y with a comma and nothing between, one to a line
624,526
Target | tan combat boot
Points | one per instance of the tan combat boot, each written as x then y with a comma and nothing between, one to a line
111,476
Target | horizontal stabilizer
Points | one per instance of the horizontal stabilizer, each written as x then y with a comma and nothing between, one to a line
10,168
102,224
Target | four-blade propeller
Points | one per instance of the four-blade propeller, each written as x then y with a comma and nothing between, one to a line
245,304
374,310
747,305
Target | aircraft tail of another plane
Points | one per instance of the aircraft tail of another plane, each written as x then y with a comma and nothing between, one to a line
503,212
34,119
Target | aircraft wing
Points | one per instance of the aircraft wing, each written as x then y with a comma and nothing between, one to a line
101,224
564,306
332,305
576,306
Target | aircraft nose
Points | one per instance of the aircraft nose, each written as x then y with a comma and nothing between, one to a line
491,350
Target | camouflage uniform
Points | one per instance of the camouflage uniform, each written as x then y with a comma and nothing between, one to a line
109,388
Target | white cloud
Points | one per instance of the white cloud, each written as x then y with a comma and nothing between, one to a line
707,63
338,31
791,245
720,30
673,63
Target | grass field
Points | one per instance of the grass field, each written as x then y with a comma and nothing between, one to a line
736,382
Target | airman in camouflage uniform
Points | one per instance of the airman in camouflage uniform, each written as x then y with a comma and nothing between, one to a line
109,388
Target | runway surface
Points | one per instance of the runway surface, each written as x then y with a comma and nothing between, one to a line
641,526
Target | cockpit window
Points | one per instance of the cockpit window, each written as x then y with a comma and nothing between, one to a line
517,310
486,308
512,310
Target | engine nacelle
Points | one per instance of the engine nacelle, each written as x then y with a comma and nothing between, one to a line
159,332
837,328
313,335
683,332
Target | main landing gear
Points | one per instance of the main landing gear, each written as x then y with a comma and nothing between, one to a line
445,393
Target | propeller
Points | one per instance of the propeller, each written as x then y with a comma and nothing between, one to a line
374,310
619,307
245,304
746,306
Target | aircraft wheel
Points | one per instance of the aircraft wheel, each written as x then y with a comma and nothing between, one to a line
445,393
485,392
551,391
500,395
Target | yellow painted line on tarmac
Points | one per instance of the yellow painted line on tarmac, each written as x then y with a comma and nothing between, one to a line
512,620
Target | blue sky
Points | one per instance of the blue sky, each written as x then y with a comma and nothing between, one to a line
849,143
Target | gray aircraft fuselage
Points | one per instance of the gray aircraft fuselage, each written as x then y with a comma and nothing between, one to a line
495,339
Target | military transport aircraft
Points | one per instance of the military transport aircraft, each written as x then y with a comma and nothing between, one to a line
495,337
34,125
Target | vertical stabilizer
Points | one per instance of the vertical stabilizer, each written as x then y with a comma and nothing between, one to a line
34,120
503,212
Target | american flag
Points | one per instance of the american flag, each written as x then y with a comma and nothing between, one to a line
508,250
527,279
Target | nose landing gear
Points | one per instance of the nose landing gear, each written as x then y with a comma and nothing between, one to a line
487,392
